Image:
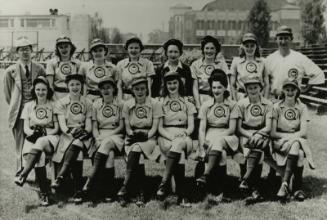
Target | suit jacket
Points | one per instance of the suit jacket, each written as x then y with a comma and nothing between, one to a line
13,88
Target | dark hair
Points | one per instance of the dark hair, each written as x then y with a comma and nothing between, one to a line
113,85
181,90
256,52
49,93
210,39
175,42
218,75
72,50
147,89
134,40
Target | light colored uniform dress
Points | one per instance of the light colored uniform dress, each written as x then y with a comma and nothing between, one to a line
289,121
59,70
253,117
75,114
241,69
94,74
140,117
175,118
201,72
42,115
108,117
129,70
218,116
293,66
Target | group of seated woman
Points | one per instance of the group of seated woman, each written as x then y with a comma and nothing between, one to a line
105,120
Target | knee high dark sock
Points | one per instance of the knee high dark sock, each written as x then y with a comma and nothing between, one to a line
77,173
98,165
31,159
199,169
179,176
214,156
41,176
141,177
256,180
290,167
171,162
109,174
251,163
132,163
221,173
242,170
69,158
298,177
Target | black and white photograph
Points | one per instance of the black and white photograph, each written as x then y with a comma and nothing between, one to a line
163,109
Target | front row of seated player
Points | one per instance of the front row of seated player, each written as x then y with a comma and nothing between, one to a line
159,130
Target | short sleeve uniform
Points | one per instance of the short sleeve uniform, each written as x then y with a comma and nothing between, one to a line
75,113
289,121
175,119
294,66
108,117
140,117
59,70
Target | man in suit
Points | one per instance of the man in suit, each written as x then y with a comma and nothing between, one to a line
18,79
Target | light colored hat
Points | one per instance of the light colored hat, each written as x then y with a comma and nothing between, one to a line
138,80
253,80
171,75
105,80
22,42
63,39
284,30
249,37
97,42
291,82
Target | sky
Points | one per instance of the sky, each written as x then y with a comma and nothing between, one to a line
136,16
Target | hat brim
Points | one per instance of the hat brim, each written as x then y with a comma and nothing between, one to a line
98,45
74,77
139,82
291,84
249,40
253,82
284,33
100,84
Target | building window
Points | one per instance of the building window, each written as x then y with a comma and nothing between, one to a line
22,22
11,22
33,22
188,25
224,25
4,23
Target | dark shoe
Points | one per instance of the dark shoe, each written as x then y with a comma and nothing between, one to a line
299,196
201,182
283,190
57,183
140,200
108,199
122,192
162,191
183,202
78,197
44,199
244,185
254,198
20,180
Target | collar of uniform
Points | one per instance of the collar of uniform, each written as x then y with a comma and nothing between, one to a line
100,102
106,64
128,61
66,100
33,103
297,104
202,63
179,65
211,102
257,59
247,103
72,60
167,99
147,102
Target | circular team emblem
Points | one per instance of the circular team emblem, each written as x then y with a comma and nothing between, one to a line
256,111
293,73
107,112
290,114
251,67
76,108
66,69
41,113
208,70
219,112
99,72
141,112
133,68
175,106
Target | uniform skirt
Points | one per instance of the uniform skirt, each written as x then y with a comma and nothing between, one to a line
64,142
281,148
165,144
116,139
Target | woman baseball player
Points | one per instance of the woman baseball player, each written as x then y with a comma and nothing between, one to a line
247,64
290,145
41,128
175,128
254,125
74,115
133,67
61,65
108,133
141,118
97,69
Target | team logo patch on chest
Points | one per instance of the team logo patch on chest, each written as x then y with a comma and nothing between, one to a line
141,112
99,72
208,69
41,113
175,106
133,68
219,112
76,108
256,110
107,111
293,73
290,114
251,67
66,69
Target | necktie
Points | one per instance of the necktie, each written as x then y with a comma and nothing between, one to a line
27,71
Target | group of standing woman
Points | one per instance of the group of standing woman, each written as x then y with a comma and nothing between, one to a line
178,112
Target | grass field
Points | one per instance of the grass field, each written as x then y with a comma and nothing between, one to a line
22,203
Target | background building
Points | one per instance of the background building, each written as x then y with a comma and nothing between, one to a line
227,20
